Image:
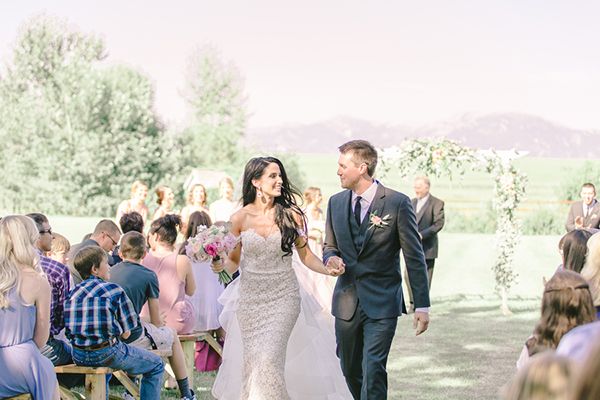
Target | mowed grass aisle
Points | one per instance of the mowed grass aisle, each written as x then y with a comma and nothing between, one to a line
471,349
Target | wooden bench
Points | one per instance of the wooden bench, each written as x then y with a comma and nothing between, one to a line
188,343
95,379
24,396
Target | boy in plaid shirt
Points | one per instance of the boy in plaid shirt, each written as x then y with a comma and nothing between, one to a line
98,314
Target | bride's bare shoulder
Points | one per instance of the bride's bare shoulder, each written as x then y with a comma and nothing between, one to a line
239,217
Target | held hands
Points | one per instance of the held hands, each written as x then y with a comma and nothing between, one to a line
420,322
335,266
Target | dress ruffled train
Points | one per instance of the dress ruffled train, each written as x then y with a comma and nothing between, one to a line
312,369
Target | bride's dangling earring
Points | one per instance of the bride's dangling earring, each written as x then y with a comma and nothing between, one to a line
259,192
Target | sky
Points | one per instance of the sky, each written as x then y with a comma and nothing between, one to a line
394,62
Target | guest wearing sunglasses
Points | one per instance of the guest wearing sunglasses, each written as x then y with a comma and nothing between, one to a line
56,350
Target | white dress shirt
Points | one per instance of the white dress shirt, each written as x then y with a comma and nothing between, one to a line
366,199
587,210
421,202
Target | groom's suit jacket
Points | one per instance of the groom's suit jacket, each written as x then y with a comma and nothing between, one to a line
592,220
372,256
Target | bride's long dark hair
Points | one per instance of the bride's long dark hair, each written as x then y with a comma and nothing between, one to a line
285,204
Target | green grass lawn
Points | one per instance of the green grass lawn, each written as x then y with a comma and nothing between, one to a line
545,176
470,194
470,349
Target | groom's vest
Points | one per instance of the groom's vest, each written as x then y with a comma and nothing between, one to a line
358,232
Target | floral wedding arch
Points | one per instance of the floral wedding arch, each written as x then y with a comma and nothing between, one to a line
439,157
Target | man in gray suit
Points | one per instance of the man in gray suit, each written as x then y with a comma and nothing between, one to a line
367,226
430,220
584,213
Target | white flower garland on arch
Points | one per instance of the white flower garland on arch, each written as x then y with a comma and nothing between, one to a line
442,157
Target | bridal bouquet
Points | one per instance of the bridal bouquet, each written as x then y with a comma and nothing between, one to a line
211,244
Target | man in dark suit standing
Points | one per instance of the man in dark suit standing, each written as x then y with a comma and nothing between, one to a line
584,213
430,220
367,226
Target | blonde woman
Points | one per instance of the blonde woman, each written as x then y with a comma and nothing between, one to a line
24,313
315,219
591,269
136,202
547,376
196,201
222,209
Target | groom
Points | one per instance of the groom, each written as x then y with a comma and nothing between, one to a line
367,226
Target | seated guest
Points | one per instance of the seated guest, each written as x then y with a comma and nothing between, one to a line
577,343
141,286
591,269
98,316
205,299
587,384
58,351
546,377
573,247
174,272
59,249
566,303
24,313
165,200
106,235
129,222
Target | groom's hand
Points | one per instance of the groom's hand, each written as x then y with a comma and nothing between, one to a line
335,266
420,322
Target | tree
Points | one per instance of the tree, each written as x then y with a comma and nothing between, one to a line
570,187
74,135
215,94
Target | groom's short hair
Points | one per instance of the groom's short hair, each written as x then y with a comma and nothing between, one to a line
362,152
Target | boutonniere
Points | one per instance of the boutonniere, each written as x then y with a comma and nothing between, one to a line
377,221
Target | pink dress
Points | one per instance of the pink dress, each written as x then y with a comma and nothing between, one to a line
172,300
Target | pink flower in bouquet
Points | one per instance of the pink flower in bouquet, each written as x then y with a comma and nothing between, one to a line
212,249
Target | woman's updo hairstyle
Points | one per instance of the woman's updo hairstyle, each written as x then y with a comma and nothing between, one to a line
166,228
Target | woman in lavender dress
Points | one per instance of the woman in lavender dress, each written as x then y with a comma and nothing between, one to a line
24,313
208,288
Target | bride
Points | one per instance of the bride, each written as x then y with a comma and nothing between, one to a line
280,341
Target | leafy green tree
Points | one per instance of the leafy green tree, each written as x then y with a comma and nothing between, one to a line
215,95
74,135
570,188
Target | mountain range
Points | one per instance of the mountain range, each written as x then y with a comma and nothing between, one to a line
502,131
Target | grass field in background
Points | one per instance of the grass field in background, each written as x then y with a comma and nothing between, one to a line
545,176
468,194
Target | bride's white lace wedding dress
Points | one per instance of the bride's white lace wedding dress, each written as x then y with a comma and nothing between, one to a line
280,341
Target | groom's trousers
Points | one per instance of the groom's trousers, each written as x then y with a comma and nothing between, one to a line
363,345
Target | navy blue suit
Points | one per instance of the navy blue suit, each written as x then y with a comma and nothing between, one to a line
368,297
